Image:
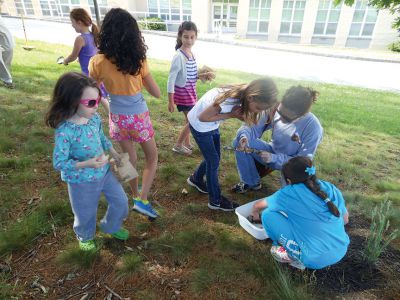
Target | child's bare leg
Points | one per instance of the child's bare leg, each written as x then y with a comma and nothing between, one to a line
151,157
187,132
182,135
129,147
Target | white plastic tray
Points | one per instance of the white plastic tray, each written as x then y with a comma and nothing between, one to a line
256,230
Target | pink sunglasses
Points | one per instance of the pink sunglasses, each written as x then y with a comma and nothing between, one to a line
91,102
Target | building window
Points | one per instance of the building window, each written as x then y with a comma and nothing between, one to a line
170,10
364,19
58,8
259,12
24,7
327,18
292,17
67,5
103,8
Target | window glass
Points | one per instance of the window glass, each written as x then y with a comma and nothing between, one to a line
263,27
334,16
355,29
292,17
259,13
321,16
253,13
331,28
285,27
319,28
296,27
368,29
264,14
252,26
286,15
298,15
327,18
372,15
358,15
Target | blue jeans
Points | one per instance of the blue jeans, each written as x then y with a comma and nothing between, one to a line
84,198
245,162
210,147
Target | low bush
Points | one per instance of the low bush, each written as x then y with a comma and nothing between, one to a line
152,24
395,47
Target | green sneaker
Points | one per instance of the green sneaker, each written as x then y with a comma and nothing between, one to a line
88,245
122,234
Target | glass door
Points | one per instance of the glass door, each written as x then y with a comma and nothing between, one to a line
224,17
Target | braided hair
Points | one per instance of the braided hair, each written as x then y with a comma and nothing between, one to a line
296,171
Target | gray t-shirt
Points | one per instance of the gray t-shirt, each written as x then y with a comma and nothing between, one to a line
6,39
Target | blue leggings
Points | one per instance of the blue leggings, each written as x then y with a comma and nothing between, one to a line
280,232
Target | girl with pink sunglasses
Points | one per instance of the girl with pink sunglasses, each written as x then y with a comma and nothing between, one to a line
79,153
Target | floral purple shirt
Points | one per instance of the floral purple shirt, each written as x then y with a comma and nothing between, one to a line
74,143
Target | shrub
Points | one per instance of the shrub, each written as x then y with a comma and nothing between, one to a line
152,24
379,227
395,47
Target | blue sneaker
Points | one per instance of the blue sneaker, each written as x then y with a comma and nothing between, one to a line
144,207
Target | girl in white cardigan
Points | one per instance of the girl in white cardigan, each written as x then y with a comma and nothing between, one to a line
182,82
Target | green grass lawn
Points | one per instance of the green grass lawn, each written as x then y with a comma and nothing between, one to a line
190,251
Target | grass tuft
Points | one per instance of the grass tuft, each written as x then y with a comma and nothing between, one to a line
130,264
379,231
76,258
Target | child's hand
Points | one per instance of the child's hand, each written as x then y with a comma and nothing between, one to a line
266,156
97,162
171,107
243,143
117,157
237,112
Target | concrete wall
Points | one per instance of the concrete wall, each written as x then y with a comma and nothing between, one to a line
384,34
201,15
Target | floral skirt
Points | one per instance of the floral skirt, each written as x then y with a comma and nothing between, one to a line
136,127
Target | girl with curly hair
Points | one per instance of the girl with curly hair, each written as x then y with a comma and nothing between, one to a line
122,66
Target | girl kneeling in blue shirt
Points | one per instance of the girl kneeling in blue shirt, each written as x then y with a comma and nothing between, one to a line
305,219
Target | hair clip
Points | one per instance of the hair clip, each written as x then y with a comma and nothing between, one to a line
310,170
327,200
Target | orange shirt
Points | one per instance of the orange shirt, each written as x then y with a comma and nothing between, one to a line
115,82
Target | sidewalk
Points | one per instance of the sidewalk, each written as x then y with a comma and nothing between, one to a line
318,50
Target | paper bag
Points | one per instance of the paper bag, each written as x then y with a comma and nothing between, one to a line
125,171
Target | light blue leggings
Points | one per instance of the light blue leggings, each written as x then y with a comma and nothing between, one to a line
84,198
280,232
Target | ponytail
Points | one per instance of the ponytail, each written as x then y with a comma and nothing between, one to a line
178,43
95,33
312,184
